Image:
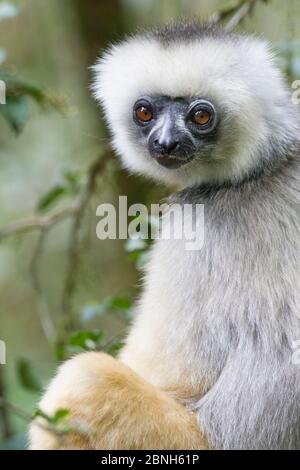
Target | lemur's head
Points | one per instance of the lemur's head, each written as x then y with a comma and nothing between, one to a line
190,103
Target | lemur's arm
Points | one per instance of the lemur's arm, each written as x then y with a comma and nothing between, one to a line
115,409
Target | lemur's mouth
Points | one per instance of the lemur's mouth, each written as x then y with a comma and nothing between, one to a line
172,162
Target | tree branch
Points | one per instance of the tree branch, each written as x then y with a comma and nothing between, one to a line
6,405
44,224
33,223
234,13
245,9
46,320
95,170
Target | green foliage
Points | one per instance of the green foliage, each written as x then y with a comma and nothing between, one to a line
52,197
80,341
138,247
86,340
119,305
26,376
16,109
137,252
70,187
58,423
114,348
59,416
93,340
61,423
18,93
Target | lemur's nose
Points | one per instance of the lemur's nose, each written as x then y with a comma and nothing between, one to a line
166,146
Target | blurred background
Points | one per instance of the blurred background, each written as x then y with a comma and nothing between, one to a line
61,289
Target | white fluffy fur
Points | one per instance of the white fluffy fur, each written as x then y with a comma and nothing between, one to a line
240,76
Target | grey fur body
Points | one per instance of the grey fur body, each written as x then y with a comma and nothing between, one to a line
255,400
231,312
219,322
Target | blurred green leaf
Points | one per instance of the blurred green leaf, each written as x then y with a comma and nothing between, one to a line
60,352
87,340
140,259
55,419
122,303
138,247
138,250
15,111
114,348
80,341
40,414
117,304
26,376
73,180
52,197
60,415
18,87
59,422
60,191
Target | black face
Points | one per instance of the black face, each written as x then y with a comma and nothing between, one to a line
175,130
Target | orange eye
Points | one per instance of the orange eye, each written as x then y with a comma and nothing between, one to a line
144,114
202,117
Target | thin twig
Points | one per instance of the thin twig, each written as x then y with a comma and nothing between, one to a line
46,320
244,10
95,171
116,337
42,424
224,12
7,405
33,223
236,13
44,225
